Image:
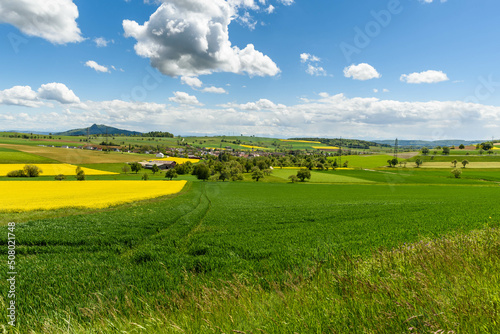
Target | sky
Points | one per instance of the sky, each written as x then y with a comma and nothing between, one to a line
411,69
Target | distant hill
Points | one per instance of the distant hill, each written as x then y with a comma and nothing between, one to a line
422,143
100,129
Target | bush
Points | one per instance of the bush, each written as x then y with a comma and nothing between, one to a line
16,173
457,172
59,177
80,174
32,171
145,176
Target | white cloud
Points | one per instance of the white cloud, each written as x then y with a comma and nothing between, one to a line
316,70
191,37
287,2
312,69
97,67
326,115
361,71
215,90
430,76
306,57
53,20
184,98
262,104
247,20
385,90
20,96
57,92
101,42
375,90
191,81
270,9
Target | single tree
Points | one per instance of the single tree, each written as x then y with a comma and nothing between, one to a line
155,169
125,168
145,176
80,175
136,167
446,150
457,172
465,163
455,162
461,146
304,174
425,150
224,174
202,172
257,174
418,162
293,178
171,173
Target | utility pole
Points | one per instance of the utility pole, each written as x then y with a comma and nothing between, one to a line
396,146
340,151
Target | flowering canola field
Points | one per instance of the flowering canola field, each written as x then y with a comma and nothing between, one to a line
177,160
52,169
301,141
21,196
254,147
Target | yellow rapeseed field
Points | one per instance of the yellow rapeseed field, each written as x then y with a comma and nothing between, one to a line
52,169
249,146
21,196
301,141
177,160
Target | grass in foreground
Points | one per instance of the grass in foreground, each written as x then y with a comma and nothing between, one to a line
249,250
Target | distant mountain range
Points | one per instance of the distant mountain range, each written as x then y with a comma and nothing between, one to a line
98,130
422,143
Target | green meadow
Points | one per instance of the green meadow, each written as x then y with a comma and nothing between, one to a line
367,250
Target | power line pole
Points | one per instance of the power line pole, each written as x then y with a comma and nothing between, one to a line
396,146
340,152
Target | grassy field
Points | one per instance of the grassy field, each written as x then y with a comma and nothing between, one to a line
320,177
364,161
10,156
146,261
74,156
372,250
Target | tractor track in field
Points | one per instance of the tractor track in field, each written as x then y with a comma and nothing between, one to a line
178,233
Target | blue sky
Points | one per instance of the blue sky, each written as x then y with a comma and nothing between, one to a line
413,69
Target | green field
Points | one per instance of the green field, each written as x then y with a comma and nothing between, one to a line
140,257
10,156
364,161
320,177
373,249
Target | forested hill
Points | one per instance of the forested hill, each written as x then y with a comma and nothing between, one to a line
349,143
100,129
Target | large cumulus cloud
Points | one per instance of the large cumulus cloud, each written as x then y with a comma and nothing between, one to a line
191,38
